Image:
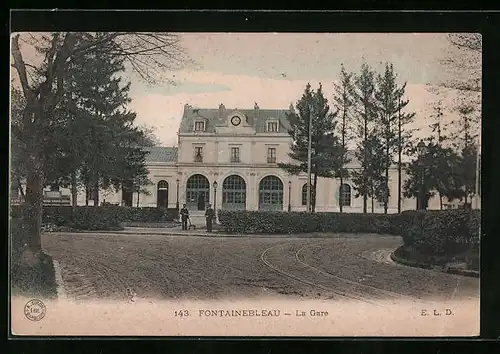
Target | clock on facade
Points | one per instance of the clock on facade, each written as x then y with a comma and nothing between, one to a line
235,120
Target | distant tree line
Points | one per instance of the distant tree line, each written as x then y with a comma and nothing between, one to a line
369,112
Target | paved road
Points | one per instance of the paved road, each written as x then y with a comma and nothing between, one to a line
190,267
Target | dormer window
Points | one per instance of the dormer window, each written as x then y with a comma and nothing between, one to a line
199,126
272,126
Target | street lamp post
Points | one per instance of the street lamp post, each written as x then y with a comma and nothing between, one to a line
421,150
289,196
177,202
215,201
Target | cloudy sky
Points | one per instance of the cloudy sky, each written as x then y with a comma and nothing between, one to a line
272,69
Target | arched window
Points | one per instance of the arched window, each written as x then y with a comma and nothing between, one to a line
234,193
162,194
304,194
271,193
197,192
345,195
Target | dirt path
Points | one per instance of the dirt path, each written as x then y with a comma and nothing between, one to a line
170,267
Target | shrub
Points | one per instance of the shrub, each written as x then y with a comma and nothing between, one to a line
106,217
97,218
433,232
442,232
257,222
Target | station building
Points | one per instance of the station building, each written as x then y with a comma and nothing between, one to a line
228,157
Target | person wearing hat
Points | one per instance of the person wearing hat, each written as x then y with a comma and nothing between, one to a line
184,217
209,216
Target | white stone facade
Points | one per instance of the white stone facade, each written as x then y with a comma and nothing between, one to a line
220,143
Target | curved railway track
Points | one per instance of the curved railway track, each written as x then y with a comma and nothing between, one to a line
343,287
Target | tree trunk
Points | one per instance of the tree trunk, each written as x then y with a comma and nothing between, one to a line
365,197
440,202
20,189
313,199
96,193
138,193
340,191
400,148
34,201
87,191
74,190
372,192
386,189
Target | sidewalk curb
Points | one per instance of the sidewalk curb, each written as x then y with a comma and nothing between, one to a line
61,292
450,270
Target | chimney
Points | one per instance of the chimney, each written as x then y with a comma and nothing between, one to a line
186,110
222,110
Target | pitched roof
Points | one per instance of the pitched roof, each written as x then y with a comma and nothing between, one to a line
161,154
216,117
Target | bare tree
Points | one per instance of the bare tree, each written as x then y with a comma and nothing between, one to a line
42,84
463,62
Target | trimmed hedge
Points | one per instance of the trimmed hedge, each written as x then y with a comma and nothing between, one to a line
257,222
441,231
429,232
99,217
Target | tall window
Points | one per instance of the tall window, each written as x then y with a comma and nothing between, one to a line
271,155
235,154
198,154
197,192
272,127
270,193
234,193
345,195
162,194
199,126
304,194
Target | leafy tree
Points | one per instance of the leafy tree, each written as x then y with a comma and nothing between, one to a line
437,170
326,149
464,137
43,86
369,178
390,122
344,99
365,108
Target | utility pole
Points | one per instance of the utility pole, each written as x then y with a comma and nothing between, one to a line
309,164
478,173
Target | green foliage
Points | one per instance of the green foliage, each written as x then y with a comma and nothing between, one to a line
256,222
429,232
439,169
369,179
441,232
100,217
326,150
390,121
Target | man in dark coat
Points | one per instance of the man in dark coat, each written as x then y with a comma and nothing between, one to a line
184,217
209,216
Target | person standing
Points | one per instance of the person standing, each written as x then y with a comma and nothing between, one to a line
184,217
209,216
